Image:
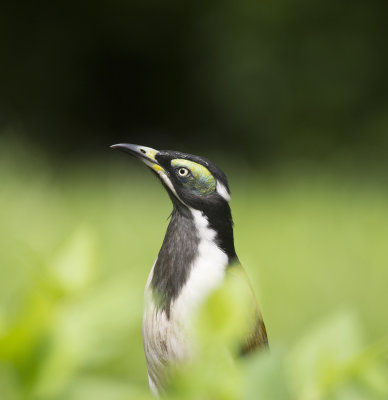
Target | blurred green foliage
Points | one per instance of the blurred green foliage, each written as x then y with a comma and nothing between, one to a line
77,245
269,80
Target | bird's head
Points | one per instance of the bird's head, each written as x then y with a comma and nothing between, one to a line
190,180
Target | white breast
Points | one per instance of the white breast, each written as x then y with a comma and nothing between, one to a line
167,340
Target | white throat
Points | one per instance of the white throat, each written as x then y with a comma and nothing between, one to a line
167,339
207,270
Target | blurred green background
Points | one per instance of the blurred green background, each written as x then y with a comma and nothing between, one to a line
288,98
268,80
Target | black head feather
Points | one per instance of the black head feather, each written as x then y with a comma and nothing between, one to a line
164,158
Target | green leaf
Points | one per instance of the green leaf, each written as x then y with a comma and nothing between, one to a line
265,378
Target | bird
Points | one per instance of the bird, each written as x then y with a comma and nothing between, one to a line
195,258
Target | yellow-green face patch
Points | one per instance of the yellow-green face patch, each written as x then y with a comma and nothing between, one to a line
199,180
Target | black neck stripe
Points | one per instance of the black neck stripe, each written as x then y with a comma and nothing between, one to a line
179,250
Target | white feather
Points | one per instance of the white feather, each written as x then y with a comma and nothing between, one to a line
222,191
167,340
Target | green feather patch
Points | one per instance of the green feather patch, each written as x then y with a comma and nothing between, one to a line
200,180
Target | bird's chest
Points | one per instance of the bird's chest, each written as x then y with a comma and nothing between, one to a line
166,336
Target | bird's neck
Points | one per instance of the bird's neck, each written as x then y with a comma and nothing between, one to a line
180,248
220,221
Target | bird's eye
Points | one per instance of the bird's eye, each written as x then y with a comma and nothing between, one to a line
183,172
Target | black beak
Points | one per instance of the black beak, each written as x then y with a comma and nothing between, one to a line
143,153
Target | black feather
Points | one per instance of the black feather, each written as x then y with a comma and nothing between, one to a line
175,258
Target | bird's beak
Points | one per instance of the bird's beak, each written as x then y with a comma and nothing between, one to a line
143,153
